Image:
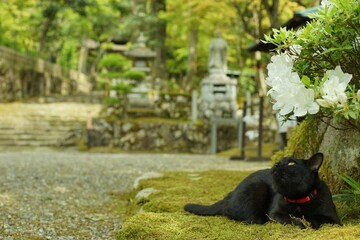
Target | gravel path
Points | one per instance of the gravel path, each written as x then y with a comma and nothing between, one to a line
53,194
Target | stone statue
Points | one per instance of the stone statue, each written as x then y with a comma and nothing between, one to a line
217,55
218,91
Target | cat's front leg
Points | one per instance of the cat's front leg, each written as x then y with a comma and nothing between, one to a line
286,219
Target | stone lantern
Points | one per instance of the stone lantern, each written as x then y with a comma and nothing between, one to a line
141,56
218,91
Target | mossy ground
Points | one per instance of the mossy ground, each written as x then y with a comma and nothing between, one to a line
164,217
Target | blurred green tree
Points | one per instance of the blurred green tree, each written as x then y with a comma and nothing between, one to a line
178,30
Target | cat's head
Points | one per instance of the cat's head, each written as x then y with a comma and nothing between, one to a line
295,178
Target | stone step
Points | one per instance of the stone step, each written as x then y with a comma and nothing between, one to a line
22,119
27,143
34,137
60,109
93,98
55,130
40,125
17,130
50,124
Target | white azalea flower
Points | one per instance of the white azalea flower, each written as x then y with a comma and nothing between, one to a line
296,98
279,68
358,95
287,90
292,96
305,103
344,78
333,90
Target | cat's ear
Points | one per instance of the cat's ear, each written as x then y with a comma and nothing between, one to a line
314,163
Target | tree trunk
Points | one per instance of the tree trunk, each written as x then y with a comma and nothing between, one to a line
272,12
341,148
340,144
49,15
159,36
192,58
83,58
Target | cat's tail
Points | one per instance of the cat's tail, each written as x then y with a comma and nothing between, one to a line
212,210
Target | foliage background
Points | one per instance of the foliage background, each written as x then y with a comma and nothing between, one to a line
178,30
330,40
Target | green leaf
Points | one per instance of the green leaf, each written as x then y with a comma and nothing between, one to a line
306,81
353,115
355,185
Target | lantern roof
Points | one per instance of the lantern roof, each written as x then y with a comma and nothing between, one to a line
140,50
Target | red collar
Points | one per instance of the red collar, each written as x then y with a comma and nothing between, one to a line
303,199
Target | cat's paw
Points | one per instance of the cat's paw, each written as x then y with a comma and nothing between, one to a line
298,222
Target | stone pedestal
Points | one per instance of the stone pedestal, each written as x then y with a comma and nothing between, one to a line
218,96
140,95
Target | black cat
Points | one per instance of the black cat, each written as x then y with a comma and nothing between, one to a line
287,193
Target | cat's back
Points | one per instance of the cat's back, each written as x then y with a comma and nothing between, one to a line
258,178
250,200
263,175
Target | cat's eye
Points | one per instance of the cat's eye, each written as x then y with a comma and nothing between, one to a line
291,163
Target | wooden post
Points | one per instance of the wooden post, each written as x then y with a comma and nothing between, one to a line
194,106
213,137
241,134
261,117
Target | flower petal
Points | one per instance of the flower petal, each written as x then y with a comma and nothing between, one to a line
313,108
286,109
299,112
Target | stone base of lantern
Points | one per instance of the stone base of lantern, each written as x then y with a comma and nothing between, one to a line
218,96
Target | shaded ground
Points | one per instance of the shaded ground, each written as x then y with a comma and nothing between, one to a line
53,194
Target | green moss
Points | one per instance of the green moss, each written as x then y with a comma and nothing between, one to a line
251,150
200,192
164,226
155,120
141,110
164,217
174,93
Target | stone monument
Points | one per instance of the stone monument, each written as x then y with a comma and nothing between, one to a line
217,55
142,58
218,91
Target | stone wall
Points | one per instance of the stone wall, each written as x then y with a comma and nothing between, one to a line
166,136
174,105
24,77
166,105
